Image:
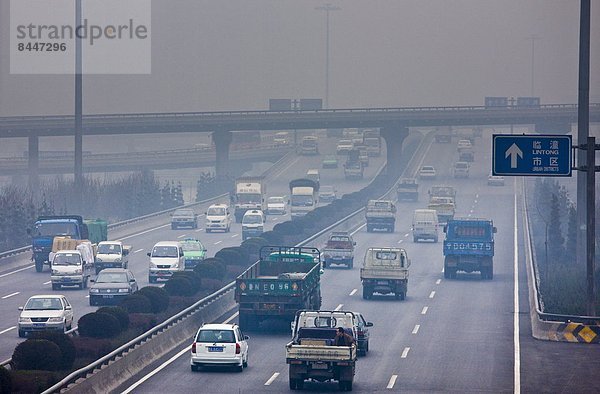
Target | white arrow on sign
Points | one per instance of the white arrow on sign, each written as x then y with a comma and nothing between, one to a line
513,152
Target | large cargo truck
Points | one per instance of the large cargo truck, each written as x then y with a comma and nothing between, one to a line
309,146
304,195
408,190
380,214
353,168
385,271
250,194
372,140
71,226
284,280
469,247
313,352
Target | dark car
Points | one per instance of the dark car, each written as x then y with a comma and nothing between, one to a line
111,286
184,218
363,334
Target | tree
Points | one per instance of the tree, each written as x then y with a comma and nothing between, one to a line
571,243
555,238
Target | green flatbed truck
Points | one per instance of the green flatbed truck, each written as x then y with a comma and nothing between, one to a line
284,280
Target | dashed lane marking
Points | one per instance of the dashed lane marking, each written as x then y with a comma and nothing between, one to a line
437,282
340,306
406,235
405,352
392,382
400,241
47,283
416,329
271,379
358,229
218,242
8,329
424,310
138,251
234,235
353,292
200,229
432,294
182,235
11,295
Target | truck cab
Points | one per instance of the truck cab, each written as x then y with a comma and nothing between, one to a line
339,249
69,268
385,271
380,214
111,254
469,247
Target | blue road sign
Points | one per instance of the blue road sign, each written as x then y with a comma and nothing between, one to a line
531,155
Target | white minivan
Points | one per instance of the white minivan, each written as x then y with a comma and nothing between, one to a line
253,224
425,225
218,217
166,258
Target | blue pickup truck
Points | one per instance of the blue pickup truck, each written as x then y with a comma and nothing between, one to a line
469,247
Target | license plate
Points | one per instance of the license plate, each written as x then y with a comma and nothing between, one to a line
107,296
319,366
270,306
39,324
215,349
382,282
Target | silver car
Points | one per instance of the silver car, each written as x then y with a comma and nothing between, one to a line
45,312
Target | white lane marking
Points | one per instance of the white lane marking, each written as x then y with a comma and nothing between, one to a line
469,215
392,382
87,296
183,351
517,362
405,352
353,292
47,283
11,295
416,329
406,235
340,306
200,229
424,310
358,229
138,251
271,379
432,294
146,231
15,271
234,235
400,241
218,242
476,196
182,235
8,329
437,282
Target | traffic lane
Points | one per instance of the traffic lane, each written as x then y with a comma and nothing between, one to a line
466,340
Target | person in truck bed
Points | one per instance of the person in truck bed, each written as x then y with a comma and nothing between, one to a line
342,338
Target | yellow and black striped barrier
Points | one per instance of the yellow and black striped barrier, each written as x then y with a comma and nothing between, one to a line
575,332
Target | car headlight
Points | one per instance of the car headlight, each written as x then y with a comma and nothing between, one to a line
55,272
55,320
176,265
98,260
94,290
245,228
123,290
24,320
152,265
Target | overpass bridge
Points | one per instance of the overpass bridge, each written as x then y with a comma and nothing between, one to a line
394,124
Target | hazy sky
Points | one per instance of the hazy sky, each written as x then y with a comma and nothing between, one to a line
236,54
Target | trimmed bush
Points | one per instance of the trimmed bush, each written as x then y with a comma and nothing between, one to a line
158,297
92,348
212,268
39,354
136,303
32,381
287,228
142,321
230,256
179,286
118,312
191,276
99,325
272,237
211,284
5,381
65,344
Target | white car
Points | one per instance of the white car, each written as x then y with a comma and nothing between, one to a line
495,180
461,169
45,313
427,172
344,146
463,144
219,345
276,205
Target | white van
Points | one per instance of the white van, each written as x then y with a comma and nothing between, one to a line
253,224
425,225
218,217
165,259
313,175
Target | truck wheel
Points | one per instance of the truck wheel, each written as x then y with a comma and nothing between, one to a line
369,229
22,334
151,279
39,265
392,229
55,286
293,384
435,239
173,227
351,264
415,239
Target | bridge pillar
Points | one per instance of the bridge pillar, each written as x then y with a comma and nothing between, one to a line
33,160
222,139
394,135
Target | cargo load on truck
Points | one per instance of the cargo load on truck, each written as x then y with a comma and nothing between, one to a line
444,206
284,280
469,247
315,353
303,196
250,193
385,271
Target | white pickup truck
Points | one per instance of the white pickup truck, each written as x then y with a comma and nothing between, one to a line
111,254
312,354
72,267
385,271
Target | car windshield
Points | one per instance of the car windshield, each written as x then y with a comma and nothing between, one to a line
345,142
275,200
216,212
252,219
192,247
67,259
40,304
165,251
111,277
184,212
214,336
326,189
109,249
52,229
302,201
427,168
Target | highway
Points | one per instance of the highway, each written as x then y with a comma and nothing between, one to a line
17,284
463,335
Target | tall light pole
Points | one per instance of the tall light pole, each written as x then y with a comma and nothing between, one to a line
533,37
327,8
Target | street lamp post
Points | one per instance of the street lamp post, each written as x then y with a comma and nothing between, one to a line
533,37
327,8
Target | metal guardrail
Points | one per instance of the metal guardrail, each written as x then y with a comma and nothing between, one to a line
539,304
